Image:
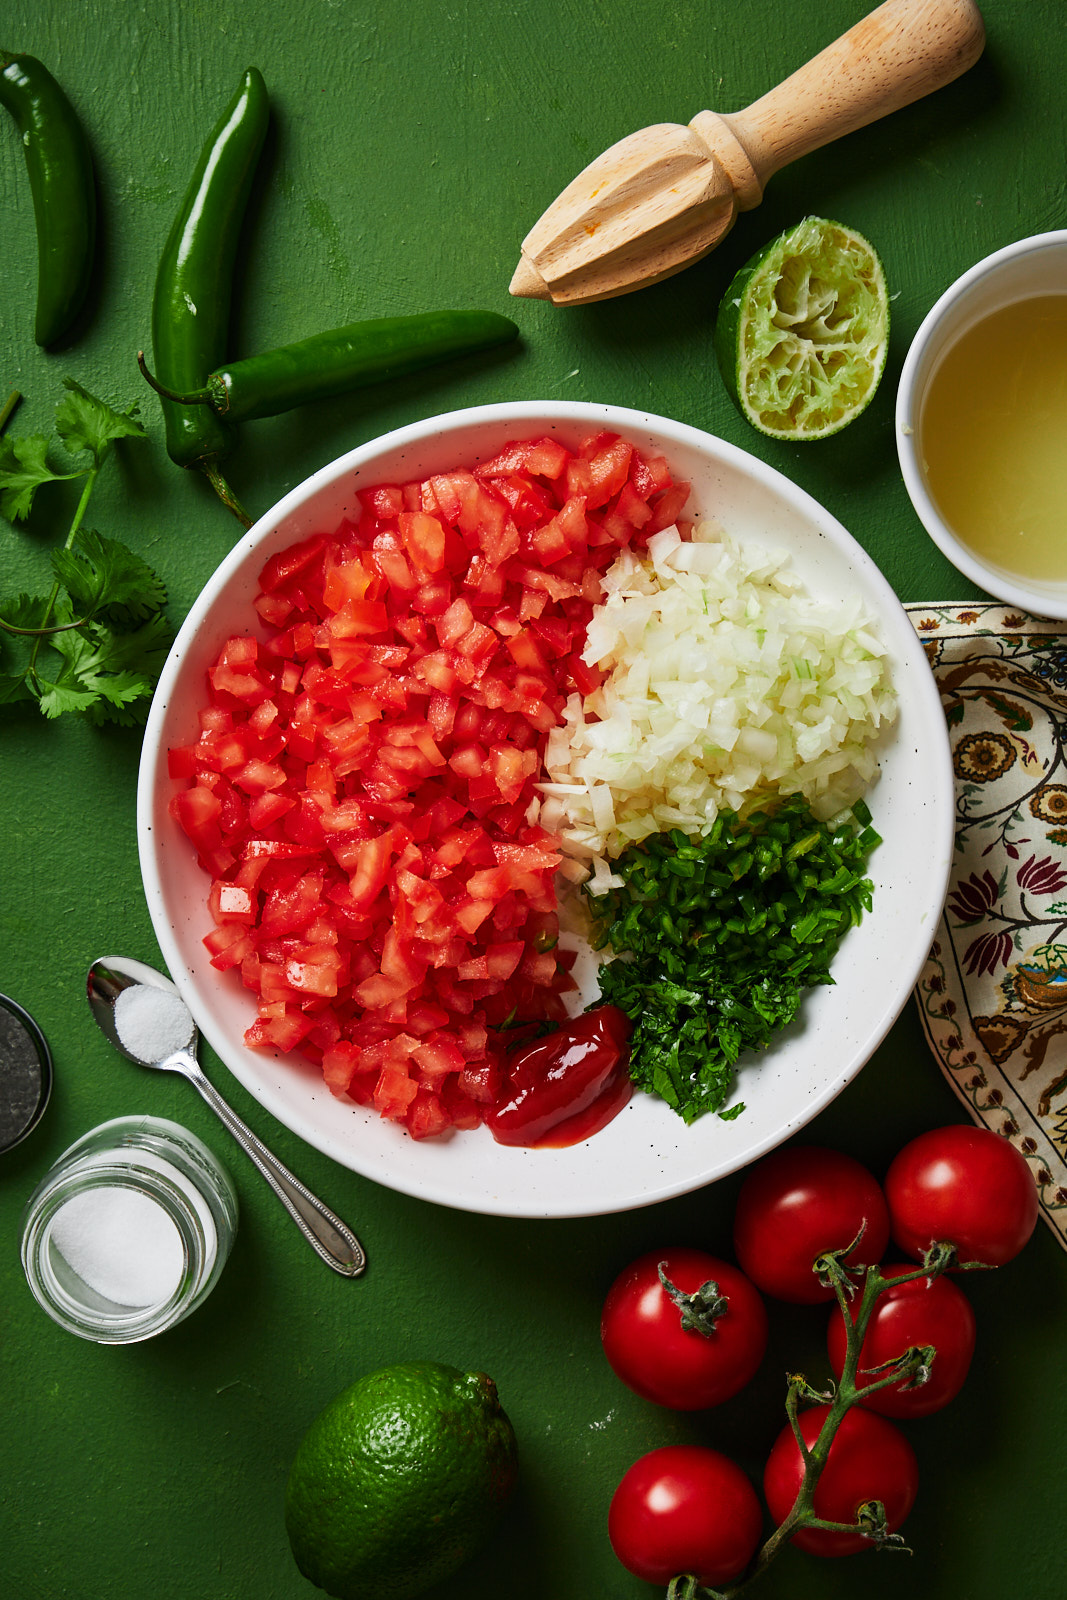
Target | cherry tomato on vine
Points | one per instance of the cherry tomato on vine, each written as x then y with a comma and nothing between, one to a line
686,1352
965,1186
869,1459
685,1508
920,1312
797,1204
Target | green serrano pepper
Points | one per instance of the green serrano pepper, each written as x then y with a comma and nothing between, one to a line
191,304
346,358
63,188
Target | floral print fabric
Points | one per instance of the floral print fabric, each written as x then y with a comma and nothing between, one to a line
993,993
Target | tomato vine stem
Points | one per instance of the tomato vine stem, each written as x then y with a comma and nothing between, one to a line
912,1366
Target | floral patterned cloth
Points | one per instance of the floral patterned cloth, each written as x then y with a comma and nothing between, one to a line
993,993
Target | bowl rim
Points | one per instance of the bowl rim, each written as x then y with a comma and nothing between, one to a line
905,643
1042,600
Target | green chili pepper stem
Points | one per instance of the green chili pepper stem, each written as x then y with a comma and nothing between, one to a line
63,187
9,407
201,398
226,494
335,362
191,304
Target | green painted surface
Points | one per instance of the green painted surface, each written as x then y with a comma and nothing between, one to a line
412,147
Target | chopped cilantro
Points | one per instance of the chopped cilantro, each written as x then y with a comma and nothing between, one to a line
721,936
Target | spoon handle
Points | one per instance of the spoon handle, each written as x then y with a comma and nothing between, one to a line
327,1235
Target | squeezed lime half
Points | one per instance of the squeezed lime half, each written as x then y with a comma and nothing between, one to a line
802,332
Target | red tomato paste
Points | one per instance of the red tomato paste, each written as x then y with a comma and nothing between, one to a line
566,1087
361,790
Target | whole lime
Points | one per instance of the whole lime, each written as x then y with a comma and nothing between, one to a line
399,1480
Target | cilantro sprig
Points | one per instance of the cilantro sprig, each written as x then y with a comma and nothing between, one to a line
721,937
95,643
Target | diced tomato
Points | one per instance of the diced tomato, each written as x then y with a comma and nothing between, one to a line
360,788
424,540
279,1027
600,469
394,1091
267,808
339,1063
198,810
346,580
385,503
427,1116
227,945
668,507
231,902
650,475
542,457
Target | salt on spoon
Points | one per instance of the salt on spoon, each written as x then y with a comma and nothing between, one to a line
143,1014
152,1023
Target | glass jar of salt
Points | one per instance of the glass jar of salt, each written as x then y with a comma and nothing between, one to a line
129,1230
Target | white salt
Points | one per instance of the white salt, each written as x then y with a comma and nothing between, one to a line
152,1023
121,1244
193,1198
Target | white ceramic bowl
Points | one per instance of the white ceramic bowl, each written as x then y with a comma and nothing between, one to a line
1034,266
646,1153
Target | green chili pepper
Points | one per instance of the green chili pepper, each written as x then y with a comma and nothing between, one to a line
346,358
191,305
63,189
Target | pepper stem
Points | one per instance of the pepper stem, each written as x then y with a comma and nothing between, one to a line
202,397
7,410
225,493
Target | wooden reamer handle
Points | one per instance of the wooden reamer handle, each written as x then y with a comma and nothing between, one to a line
899,53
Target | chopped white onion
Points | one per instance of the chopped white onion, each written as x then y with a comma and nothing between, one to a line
726,681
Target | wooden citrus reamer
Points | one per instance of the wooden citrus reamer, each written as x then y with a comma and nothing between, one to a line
664,197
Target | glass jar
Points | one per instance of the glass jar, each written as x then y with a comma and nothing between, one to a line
128,1231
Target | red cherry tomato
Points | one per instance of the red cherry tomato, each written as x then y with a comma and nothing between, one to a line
799,1203
922,1311
869,1459
664,1361
567,1086
685,1509
966,1186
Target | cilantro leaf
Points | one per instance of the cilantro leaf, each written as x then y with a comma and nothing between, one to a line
13,686
85,423
55,698
103,576
23,469
26,612
110,670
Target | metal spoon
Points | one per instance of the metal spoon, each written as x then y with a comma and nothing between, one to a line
326,1234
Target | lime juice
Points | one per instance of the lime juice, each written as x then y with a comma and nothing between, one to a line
993,438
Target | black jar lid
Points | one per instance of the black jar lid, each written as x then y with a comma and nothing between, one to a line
25,1073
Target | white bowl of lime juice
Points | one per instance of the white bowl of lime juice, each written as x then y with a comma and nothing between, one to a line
981,423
